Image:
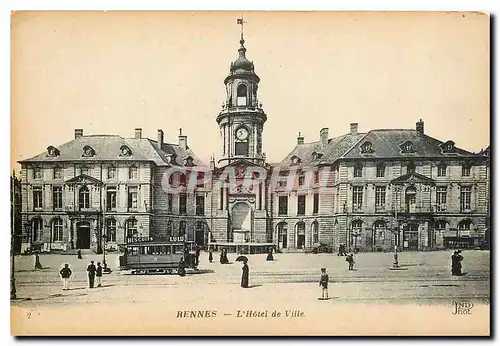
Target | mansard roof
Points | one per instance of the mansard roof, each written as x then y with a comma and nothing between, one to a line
387,143
384,144
109,148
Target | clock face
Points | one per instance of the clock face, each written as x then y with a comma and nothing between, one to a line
241,134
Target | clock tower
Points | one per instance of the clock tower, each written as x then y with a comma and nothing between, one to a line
242,118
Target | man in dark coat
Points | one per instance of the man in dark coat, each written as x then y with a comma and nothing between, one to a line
65,275
244,275
198,250
323,282
79,254
182,267
456,265
210,256
91,269
98,274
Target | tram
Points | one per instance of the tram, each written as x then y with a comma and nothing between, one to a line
148,256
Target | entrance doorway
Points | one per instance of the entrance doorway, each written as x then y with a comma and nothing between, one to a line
282,236
410,237
83,235
301,234
199,235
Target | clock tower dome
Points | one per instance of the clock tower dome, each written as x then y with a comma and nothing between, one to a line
242,118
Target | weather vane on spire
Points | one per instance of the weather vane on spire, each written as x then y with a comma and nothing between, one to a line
240,21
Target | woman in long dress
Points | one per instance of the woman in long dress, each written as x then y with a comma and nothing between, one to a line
244,275
270,255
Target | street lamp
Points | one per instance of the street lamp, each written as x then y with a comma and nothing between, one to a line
105,266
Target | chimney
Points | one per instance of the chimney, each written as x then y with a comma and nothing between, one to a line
138,133
323,136
420,127
78,133
354,129
300,139
160,138
182,140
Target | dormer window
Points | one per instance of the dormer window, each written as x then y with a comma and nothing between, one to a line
295,160
125,151
52,151
188,161
406,147
88,151
448,147
316,155
366,148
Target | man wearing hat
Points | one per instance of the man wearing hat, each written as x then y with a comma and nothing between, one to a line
91,269
323,282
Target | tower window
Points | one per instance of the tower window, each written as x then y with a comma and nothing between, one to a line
242,95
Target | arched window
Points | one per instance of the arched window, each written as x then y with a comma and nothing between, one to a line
465,225
411,196
57,230
37,229
84,198
131,228
182,228
440,225
111,230
315,232
379,228
242,95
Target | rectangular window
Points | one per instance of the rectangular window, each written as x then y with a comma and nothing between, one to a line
200,205
441,170
301,204
132,197
170,202
57,173
380,171
132,172
357,197
441,198
37,173
465,198
182,203
37,198
380,197
57,197
283,205
111,198
111,172
84,170
358,171
315,203
221,198
465,171
302,179
316,177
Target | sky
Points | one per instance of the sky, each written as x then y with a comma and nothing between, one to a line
112,72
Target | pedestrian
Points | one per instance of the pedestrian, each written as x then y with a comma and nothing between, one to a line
221,257
323,282
91,269
210,256
65,275
98,274
350,260
456,265
38,265
79,253
270,255
198,250
182,267
226,260
244,275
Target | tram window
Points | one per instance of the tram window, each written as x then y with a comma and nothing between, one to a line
133,251
178,249
149,250
168,249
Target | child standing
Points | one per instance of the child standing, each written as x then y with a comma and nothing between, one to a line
323,282
350,260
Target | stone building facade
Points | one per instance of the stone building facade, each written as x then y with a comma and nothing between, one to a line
370,190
